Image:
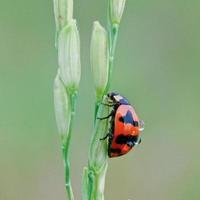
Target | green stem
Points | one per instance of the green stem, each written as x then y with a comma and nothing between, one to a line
97,182
66,148
113,35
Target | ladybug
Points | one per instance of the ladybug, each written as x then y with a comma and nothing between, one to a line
125,126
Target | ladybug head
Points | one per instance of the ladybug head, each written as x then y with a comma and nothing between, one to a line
111,95
117,98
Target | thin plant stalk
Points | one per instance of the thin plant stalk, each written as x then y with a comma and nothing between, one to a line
66,147
67,80
113,35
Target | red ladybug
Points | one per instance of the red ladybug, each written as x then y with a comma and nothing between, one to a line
125,126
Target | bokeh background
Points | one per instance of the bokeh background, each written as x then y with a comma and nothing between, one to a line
156,68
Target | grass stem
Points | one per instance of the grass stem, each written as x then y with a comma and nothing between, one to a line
66,147
113,35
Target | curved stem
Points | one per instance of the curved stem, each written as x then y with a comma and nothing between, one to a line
66,148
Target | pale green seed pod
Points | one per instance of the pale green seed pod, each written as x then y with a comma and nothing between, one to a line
116,10
63,11
98,154
62,108
69,56
99,57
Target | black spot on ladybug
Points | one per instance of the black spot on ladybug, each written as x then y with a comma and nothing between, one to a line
121,139
135,123
121,119
127,139
115,150
128,119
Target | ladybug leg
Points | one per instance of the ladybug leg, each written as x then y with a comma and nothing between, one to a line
106,117
107,135
109,105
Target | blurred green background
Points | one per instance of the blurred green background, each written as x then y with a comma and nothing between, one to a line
156,68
